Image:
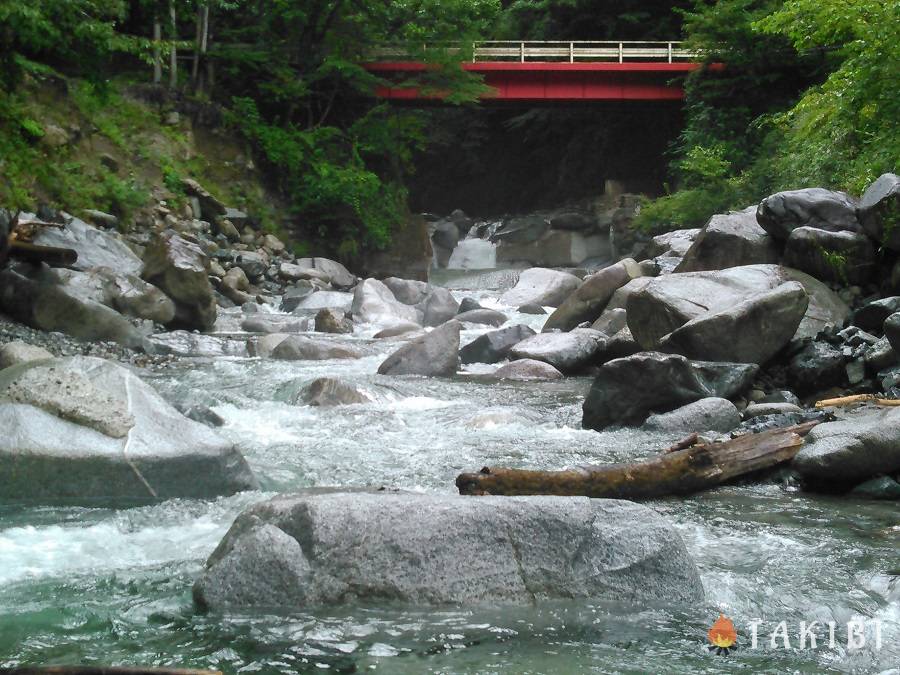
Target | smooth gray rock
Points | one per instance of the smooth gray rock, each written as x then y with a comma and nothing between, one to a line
752,331
783,212
83,430
181,270
626,391
731,239
292,272
407,291
880,356
531,308
851,450
843,257
659,306
879,211
274,323
338,275
707,414
589,300
468,304
324,299
446,234
373,302
302,551
672,244
95,247
567,352
494,346
303,348
612,321
438,306
16,352
333,321
37,297
398,328
758,409
527,369
253,263
541,286
435,353
296,293
487,317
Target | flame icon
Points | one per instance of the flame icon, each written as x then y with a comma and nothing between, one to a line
722,635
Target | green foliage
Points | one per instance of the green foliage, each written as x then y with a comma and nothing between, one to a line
807,97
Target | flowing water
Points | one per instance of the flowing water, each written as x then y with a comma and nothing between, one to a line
102,586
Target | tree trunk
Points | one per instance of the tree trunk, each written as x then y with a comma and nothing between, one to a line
681,472
195,67
157,52
173,55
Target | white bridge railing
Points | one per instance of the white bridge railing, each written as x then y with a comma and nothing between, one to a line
552,50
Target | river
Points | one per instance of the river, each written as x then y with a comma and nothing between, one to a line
106,586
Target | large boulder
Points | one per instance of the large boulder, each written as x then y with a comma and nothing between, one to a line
435,353
567,352
438,306
589,300
312,303
307,550
664,304
41,298
181,269
95,247
494,346
87,431
541,286
879,211
752,331
626,391
303,348
521,230
672,244
850,450
870,317
844,257
730,239
373,302
782,213
408,291
337,275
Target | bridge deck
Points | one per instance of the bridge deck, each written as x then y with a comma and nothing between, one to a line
555,71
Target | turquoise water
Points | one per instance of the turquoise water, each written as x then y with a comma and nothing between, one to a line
106,586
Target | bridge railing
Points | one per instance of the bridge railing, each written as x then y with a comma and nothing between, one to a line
571,51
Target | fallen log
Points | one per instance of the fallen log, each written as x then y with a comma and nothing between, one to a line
52,255
681,472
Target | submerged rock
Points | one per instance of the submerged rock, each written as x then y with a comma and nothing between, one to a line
302,551
626,391
303,348
851,450
86,431
328,391
435,353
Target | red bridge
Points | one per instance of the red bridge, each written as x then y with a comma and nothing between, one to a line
535,72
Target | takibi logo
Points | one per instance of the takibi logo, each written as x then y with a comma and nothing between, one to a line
722,635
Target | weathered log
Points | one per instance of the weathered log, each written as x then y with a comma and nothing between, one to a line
101,670
856,398
52,255
675,473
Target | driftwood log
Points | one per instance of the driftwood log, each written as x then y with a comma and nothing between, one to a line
679,472
856,398
15,243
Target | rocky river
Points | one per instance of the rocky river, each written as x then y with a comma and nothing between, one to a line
85,582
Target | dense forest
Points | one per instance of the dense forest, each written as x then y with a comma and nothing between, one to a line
807,97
